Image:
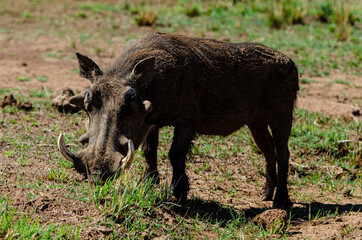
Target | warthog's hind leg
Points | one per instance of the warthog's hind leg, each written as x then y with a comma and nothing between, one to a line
264,141
281,125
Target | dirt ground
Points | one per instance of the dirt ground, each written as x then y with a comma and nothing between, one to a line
324,94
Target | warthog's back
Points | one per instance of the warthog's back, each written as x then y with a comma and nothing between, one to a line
216,86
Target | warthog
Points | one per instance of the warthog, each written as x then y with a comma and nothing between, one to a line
197,85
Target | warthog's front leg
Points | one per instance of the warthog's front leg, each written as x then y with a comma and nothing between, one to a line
150,153
182,138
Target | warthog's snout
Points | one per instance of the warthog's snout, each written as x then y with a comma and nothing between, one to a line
82,167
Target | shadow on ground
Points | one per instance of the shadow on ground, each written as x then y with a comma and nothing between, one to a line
318,209
214,211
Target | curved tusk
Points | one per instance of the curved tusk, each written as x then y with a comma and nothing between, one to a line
64,150
126,162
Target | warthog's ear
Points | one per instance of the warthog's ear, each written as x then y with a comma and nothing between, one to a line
143,71
77,100
87,68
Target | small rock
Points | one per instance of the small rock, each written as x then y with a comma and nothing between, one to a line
61,102
273,218
27,106
66,92
8,100
356,112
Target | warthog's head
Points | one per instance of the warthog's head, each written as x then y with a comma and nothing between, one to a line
116,117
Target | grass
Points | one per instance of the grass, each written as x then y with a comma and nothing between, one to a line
53,54
283,13
320,36
15,226
58,175
319,135
99,7
26,14
138,207
341,81
307,80
23,79
193,11
43,78
146,19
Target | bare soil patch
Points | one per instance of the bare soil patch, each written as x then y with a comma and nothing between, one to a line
26,59
54,206
337,95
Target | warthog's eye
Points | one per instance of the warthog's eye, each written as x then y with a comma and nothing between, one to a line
129,102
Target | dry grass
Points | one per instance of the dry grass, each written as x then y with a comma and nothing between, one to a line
146,19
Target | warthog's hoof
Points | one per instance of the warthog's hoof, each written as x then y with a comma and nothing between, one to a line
180,187
153,176
267,194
